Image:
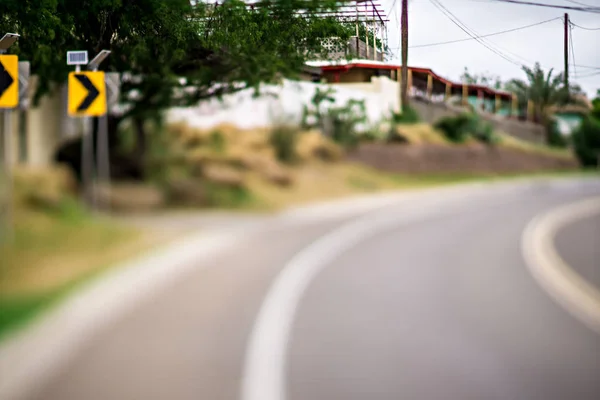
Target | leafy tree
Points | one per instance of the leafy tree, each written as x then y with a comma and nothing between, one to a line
586,139
174,52
596,105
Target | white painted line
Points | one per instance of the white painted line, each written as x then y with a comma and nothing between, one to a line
564,285
265,363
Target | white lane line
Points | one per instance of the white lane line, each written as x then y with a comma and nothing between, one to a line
564,285
265,363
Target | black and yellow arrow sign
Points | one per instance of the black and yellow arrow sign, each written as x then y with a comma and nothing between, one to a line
9,81
87,94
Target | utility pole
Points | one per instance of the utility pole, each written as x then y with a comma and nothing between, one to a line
404,43
567,52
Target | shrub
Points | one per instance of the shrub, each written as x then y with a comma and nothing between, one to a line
344,122
553,135
407,116
456,128
586,141
340,123
46,188
283,139
464,126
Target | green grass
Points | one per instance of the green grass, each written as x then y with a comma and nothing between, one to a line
51,253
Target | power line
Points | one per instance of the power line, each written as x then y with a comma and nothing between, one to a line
584,28
579,3
572,48
530,3
469,32
484,36
590,75
587,66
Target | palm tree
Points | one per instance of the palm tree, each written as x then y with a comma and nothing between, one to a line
547,91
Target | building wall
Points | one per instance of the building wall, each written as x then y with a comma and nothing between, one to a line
354,75
37,132
568,122
387,92
362,49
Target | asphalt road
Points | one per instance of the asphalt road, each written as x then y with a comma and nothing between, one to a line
437,305
579,245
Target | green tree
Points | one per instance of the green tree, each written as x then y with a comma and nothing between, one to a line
546,90
586,139
173,52
596,105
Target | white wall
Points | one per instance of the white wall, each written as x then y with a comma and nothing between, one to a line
284,103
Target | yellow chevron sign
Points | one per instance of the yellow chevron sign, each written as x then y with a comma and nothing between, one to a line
9,81
87,94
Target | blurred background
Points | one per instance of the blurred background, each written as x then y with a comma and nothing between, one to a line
216,114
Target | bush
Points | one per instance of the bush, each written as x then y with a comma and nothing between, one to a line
46,188
464,126
339,123
407,116
456,128
586,141
283,139
554,137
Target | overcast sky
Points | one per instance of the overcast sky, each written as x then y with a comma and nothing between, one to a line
543,43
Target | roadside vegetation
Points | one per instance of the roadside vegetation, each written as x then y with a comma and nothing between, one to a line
586,139
55,243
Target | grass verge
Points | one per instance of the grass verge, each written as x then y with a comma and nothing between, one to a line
321,181
51,253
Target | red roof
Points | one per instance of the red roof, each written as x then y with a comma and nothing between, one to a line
347,67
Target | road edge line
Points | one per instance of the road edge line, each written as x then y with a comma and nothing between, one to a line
551,272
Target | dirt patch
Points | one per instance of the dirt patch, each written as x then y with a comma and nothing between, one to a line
473,158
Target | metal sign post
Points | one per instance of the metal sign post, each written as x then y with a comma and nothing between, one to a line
24,74
79,58
9,99
103,149
87,98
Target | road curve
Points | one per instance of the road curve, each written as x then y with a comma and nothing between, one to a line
431,300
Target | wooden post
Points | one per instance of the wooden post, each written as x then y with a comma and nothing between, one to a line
448,91
374,37
429,86
465,94
367,30
404,46
398,75
480,100
410,82
497,104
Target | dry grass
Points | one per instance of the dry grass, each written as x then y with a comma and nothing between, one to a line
49,251
420,133
510,142
318,181
52,251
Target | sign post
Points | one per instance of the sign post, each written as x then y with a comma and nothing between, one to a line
87,98
24,74
9,99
